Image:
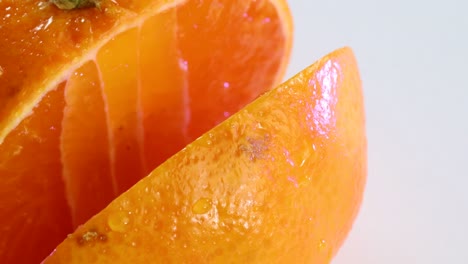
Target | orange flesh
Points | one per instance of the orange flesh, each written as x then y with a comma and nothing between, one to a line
278,182
219,94
163,100
32,193
176,75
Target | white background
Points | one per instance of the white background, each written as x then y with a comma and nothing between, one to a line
413,57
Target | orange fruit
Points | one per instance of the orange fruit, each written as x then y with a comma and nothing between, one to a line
93,99
278,182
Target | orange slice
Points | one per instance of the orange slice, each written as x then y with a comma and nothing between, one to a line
94,99
278,182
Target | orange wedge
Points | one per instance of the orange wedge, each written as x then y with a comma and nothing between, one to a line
278,182
93,99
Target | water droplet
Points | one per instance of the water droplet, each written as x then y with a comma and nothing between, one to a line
293,180
287,155
322,245
89,236
125,204
183,64
49,21
259,125
43,5
247,16
202,206
17,151
119,222
302,163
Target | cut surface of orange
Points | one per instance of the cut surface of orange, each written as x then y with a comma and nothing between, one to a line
280,181
91,100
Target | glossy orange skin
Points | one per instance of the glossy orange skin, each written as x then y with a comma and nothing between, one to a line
101,116
281,181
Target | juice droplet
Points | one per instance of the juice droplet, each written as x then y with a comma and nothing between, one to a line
325,249
202,206
119,222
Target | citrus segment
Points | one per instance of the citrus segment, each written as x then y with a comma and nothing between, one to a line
280,181
204,52
164,100
85,157
120,89
119,81
32,191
